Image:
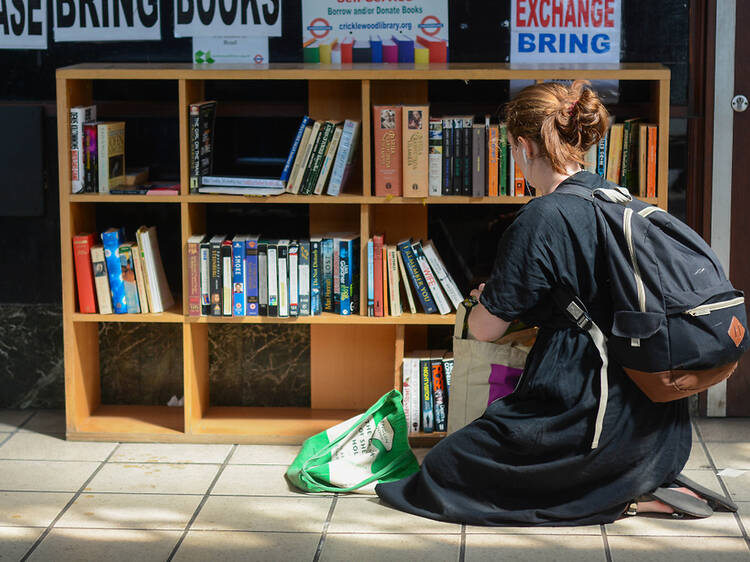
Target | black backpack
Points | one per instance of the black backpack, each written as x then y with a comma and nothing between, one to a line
678,325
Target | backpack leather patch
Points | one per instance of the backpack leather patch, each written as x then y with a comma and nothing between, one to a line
736,331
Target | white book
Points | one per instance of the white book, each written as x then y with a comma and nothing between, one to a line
140,279
100,279
438,268
155,270
205,272
435,158
273,283
283,277
393,280
344,156
78,116
238,181
234,190
294,278
406,284
411,385
226,280
429,276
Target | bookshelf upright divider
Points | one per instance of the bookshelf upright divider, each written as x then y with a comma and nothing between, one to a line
353,359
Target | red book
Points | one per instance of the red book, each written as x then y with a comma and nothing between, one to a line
84,272
347,50
194,274
651,162
386,127
438,48
377,259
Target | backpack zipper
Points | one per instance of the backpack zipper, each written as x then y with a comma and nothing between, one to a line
704,309
627,227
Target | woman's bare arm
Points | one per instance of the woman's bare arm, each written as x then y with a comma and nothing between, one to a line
483,325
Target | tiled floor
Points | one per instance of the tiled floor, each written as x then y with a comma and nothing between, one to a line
62,500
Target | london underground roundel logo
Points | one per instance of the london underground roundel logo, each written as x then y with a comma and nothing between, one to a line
319,28
258,58
430,25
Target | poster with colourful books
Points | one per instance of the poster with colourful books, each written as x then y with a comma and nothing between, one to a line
408,32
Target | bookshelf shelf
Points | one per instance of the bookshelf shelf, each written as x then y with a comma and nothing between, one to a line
353,359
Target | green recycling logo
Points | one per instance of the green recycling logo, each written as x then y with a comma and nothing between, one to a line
201,57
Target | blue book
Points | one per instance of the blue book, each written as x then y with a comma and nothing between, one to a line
376,48
361,51
349,275
405,48
326,288
416,277
425,378
251,275
316,271
293,151
112,239
370,279
128,278
601,155
238,275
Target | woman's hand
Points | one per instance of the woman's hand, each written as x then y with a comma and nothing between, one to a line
476,293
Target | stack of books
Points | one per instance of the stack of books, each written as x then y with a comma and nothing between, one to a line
426,381
97,150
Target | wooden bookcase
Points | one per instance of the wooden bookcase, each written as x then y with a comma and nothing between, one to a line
354,359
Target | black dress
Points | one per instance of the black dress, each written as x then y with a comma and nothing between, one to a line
528,460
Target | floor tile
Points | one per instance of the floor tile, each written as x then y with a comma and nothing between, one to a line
10,420
698,458
744,512
154,478
535,548
16,541
112,545
720,524
31,509
45,476
731,455
46,421
239,546
39,446
577,530
724,429
246,480
265,454
171,453
370,515
738,486
224,513
130,511
381,547
678,549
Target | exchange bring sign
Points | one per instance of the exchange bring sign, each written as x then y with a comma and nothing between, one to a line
23,24
575,31
106,20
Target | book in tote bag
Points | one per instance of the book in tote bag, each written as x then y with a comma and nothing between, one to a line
356,454
483,371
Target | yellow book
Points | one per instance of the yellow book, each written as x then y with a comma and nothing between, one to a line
325,53
421,55
614,157
414,145
111,154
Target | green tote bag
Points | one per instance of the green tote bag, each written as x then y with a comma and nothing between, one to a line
356,454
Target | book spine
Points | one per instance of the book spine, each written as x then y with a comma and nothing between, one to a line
601,156
624,180
195,146
354,272
407,389
435,156
251,277
447,183
415,148
232,181
128,279
140,279
102,139
82,245
144,250
215,278
313,165
283,279
393,280
344,277
315,278
325,168
327,278
428,416
407,286
111,242
518,181
384,266
304,278
651,161
78,116
207,125
466,144
448,370
458,156
273,280
386,125
438,394
336,276
445,279
293,151
91,164
103,296
292,185
262,279
642,158
342,158
503,152
226,278
370,279
429,276
416,277
294,279
194,278
238,277
205,273
377,253
492,163
478,147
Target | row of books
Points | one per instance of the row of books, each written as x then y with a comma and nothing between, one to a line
97,150
247,275
426,381
378,49
412,268
627,156
120,276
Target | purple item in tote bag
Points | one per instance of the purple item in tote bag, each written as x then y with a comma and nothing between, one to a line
502,381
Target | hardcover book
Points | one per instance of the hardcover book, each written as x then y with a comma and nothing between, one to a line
82,244
251,275
414,272
415,146
386,125
103,297
156,277
202,125
435,158
194,273
128,278
78,116
112,239
111,154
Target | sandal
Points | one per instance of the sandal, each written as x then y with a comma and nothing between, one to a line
682,504
714,499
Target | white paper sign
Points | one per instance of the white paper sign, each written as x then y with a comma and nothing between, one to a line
107,20
23,24
555,31
236,18
334,19
231,50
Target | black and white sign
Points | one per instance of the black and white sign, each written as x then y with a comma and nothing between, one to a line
106,20
209,18
23,24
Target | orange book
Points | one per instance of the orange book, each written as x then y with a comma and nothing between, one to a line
414,140
518,181
651,162
377,282
84,272
386,128
492,185
642,158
